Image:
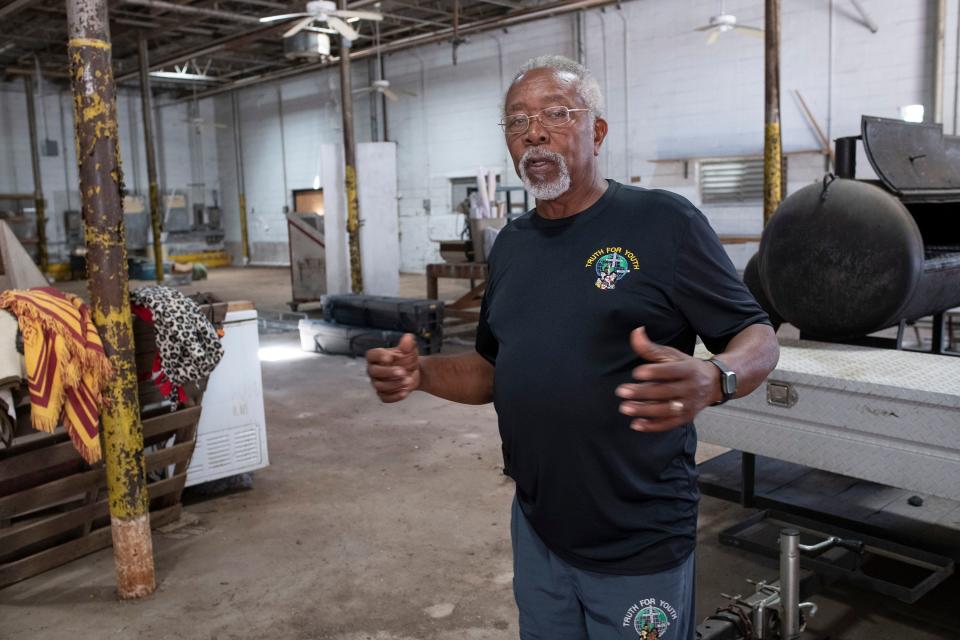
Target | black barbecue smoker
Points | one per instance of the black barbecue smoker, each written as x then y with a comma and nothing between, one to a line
843,258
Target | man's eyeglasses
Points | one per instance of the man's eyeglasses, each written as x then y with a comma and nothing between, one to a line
549,117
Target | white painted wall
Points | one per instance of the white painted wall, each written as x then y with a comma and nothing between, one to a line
59,173
668,96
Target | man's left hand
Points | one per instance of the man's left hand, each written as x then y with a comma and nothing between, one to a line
672,386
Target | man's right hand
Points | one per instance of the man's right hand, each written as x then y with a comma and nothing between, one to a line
395,372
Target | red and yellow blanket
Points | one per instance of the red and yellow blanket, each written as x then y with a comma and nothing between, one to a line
67,368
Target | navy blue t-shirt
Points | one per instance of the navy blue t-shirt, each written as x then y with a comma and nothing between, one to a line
561,300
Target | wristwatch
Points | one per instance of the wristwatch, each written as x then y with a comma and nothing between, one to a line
728,381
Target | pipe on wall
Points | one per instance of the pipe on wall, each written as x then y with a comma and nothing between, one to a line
507,161
283,150
424,123
606,85
628,173
938,58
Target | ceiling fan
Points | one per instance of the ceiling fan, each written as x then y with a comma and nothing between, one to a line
381,85
723,22
326,13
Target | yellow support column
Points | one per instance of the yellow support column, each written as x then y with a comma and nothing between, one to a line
98,157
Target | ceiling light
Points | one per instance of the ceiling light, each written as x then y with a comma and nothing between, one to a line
178,75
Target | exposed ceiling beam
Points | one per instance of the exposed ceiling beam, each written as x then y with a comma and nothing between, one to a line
500,22
509,4
162,5
226,42
14,6
423,21
264,3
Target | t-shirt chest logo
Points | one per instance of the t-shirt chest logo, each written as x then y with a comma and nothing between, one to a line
611,265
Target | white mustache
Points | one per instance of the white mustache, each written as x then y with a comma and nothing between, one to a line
535,153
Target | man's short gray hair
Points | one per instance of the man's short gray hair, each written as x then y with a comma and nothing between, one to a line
587,87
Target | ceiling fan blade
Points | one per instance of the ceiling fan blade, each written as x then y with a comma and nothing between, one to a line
342,28
363,89
219,125
285,16
705,27
756,32
363,15
391,96
408,93
714,35
297,28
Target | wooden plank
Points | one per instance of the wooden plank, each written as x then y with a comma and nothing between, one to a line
170,421
17,537
735,239
36,440
54,557
39,466
166,515
163,457
51,492
166,487
240,305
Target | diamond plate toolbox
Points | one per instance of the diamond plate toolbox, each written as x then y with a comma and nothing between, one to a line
882,415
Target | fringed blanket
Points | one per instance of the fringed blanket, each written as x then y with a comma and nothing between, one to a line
67,368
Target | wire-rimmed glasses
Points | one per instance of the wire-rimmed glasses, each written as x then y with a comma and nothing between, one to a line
517,123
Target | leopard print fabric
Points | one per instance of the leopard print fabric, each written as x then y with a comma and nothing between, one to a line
186,339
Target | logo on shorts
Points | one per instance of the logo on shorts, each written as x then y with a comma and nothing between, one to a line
650,618
611,264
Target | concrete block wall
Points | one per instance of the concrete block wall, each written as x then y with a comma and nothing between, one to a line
283,127
186,158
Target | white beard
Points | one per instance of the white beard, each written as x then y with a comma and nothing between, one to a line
545,190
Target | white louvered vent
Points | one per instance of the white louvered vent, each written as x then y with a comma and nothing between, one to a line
732,181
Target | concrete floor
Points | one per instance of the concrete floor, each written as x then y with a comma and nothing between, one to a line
373,522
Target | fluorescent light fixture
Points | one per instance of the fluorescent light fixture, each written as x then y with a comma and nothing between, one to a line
912,113
176,75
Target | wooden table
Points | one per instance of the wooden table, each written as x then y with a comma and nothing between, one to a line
465,309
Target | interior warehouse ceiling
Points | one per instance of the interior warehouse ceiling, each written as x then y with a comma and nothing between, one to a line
225,40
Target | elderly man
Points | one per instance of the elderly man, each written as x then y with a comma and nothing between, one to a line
592,309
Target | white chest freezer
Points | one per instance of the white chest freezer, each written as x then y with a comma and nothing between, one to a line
232,433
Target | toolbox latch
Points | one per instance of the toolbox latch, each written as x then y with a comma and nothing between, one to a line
781,394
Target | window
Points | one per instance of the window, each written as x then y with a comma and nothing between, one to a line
735,180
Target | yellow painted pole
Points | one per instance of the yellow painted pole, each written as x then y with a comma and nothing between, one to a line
241,187
772,151
350,170
98,157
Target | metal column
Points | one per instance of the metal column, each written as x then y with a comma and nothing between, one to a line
38,202
98,157
350,170
772,151
146,104
238,150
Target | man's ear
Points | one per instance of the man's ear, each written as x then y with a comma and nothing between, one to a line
599,134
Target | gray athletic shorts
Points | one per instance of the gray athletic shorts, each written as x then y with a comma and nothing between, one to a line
559,602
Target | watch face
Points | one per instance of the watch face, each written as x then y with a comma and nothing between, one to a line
729,383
